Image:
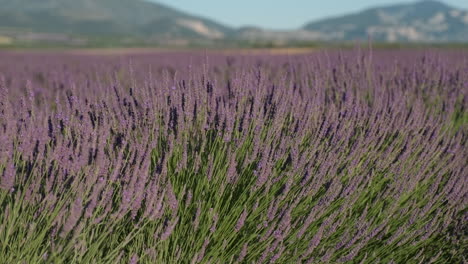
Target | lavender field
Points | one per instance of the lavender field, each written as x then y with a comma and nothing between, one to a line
353,156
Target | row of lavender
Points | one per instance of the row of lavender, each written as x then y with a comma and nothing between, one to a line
332,157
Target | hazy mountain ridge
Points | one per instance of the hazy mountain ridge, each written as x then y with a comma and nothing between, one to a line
105,17
423,21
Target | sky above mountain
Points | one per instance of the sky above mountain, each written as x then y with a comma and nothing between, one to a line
280,14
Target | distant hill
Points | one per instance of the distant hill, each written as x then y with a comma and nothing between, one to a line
105,18
76,21
423,21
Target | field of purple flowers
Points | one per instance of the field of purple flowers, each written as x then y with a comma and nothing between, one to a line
332,157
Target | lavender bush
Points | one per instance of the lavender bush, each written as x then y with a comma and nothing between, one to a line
333,157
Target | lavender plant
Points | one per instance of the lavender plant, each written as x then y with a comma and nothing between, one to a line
332,157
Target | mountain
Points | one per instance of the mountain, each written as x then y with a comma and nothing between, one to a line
133,21
423,21
129,18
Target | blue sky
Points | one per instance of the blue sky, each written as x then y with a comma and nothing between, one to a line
278,14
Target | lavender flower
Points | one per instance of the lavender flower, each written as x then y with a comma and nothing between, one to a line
134,259
73,217
169,229
8,178
243,253
241,221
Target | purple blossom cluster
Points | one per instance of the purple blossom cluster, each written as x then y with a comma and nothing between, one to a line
332,157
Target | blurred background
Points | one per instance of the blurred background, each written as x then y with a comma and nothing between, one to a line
170,24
